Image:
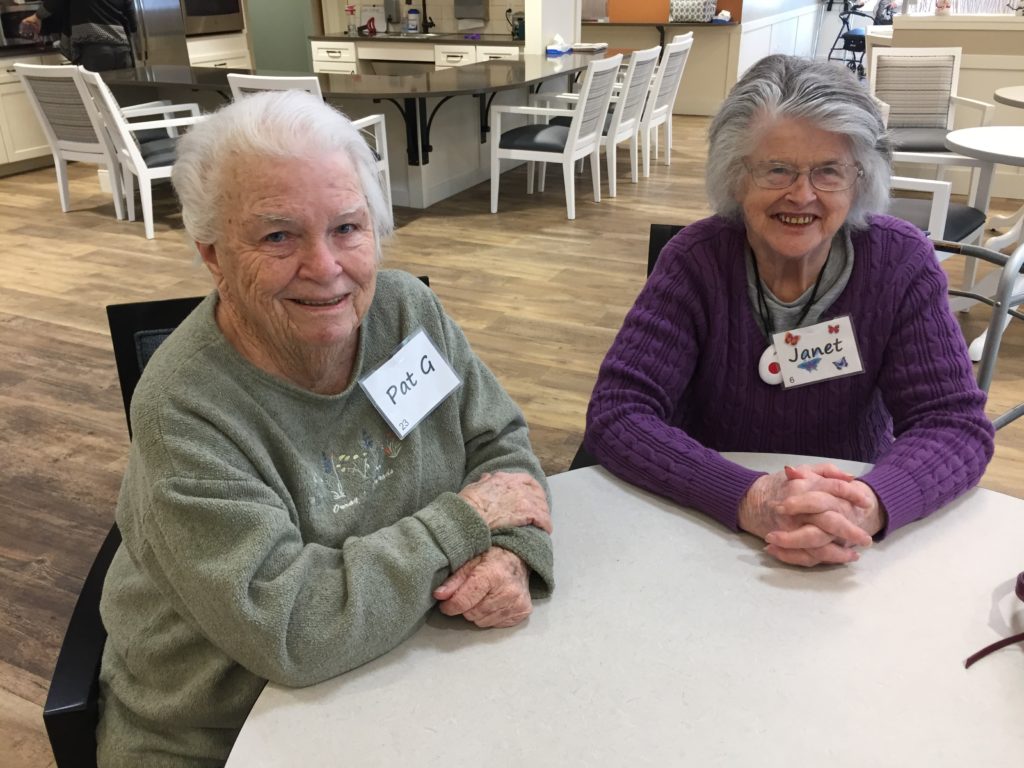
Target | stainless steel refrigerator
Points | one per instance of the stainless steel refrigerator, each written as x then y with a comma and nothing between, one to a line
161,35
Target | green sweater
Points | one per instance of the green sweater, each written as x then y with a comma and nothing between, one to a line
271,533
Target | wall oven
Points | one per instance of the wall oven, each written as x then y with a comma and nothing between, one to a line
203,17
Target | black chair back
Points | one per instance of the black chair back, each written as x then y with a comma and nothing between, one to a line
136,330
71,712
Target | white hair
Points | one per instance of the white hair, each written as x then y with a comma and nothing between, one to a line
279,124
779,87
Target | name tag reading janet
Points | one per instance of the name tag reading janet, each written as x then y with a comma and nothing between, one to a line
410,385
820,352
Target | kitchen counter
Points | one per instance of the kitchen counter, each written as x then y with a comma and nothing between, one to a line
445,138
26,49
473,79
423,37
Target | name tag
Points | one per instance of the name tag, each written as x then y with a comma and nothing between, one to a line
815,353
409,386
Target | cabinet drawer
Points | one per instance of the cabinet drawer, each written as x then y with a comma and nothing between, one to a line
395,52
493,52
7,73
328,52
340,68
454,55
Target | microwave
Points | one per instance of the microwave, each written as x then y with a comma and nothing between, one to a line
204,17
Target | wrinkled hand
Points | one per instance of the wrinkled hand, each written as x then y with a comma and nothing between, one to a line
491,590
811,514
509,500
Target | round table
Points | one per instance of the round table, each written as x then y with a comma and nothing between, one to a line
672,641
996,144
1011,95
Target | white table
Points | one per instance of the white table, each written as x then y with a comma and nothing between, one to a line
670,641
1011,95
995,144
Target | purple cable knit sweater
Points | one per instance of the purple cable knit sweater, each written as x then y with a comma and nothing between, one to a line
680,382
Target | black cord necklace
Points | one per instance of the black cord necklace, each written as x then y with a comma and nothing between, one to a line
762,303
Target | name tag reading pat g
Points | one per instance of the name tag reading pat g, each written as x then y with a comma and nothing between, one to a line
410,385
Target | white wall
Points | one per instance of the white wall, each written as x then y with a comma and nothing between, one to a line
792,32
545,18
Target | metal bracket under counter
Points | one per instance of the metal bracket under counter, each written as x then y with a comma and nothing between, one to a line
418,121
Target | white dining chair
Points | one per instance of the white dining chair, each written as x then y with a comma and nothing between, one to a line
373,127
72,124
243,84
661,99
147,164
623,122
542,143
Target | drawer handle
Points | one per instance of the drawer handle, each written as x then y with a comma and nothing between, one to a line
333,54
454,57
221,64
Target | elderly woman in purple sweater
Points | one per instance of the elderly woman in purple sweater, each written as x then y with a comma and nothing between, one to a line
796,320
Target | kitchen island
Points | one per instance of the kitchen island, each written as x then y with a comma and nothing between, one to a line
438,128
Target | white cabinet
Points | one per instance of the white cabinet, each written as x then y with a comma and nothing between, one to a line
446,56
493,52
398,51
230,51
21,135
337,57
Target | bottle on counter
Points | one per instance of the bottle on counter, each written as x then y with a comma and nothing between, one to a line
412,21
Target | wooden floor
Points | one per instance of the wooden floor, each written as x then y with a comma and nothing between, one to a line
540,298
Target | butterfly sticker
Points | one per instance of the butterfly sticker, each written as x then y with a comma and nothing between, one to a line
792,339
833,329
810,365
840,364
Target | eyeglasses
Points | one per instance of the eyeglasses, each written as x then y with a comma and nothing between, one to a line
1019,590
831,177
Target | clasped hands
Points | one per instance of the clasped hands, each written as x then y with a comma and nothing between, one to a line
493,589
811,514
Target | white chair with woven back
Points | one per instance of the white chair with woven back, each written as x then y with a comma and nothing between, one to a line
662,97
146,162
373,127
545,143
623,122
73,126
917,91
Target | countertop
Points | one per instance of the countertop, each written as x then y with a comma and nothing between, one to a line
28,49
433,38
470,79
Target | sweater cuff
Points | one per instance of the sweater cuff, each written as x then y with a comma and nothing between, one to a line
898,493
533,547
459,531
721,486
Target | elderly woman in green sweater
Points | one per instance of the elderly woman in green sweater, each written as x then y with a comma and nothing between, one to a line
319,457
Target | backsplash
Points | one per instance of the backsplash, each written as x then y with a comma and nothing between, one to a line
441,11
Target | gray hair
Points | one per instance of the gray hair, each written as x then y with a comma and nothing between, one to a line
831,98
280,124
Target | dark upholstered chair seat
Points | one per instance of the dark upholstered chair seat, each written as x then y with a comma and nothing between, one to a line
538,138
151,134
161,159
961,221
560,120
919,139
156,146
